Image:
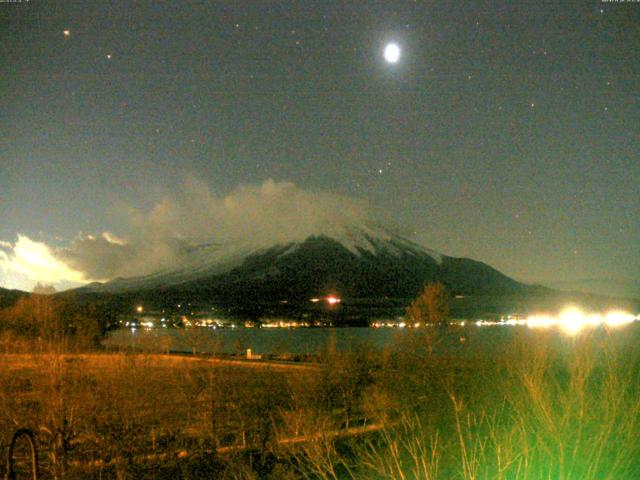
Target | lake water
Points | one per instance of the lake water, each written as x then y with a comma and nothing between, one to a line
298,341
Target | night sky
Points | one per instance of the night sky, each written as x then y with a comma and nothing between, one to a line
506,132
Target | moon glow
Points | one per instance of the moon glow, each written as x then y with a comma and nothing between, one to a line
392,53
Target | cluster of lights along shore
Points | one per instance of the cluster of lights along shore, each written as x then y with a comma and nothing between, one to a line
571,320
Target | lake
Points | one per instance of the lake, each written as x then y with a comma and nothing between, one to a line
300,341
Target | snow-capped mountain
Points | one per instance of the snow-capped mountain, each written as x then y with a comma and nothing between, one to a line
361,261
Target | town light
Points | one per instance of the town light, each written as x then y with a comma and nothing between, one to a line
572,320
617,318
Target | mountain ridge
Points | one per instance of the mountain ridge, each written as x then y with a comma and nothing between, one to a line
618,287
374,273
363,262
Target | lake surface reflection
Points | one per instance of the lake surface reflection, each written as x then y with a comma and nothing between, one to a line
301,341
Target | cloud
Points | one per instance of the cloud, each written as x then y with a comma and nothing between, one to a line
26,262
184,230
98,258
250,217
111,238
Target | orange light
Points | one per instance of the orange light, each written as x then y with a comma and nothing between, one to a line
332,300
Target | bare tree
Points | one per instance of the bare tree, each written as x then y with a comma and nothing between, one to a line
431,306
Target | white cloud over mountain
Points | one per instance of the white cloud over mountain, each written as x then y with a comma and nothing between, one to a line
164,236
27,262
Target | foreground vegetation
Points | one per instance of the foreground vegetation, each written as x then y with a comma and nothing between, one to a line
539,406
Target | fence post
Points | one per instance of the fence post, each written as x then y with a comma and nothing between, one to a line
11,474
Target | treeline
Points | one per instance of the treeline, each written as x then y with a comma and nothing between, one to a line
51,321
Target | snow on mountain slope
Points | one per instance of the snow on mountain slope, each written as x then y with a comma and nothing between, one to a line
209,260
375,240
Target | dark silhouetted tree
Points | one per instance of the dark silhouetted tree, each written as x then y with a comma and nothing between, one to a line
54,321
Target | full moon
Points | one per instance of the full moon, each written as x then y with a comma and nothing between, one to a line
392,53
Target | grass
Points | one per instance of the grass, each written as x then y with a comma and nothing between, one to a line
538,406
532,411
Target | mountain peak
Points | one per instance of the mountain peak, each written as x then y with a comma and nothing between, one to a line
363,260
378,239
